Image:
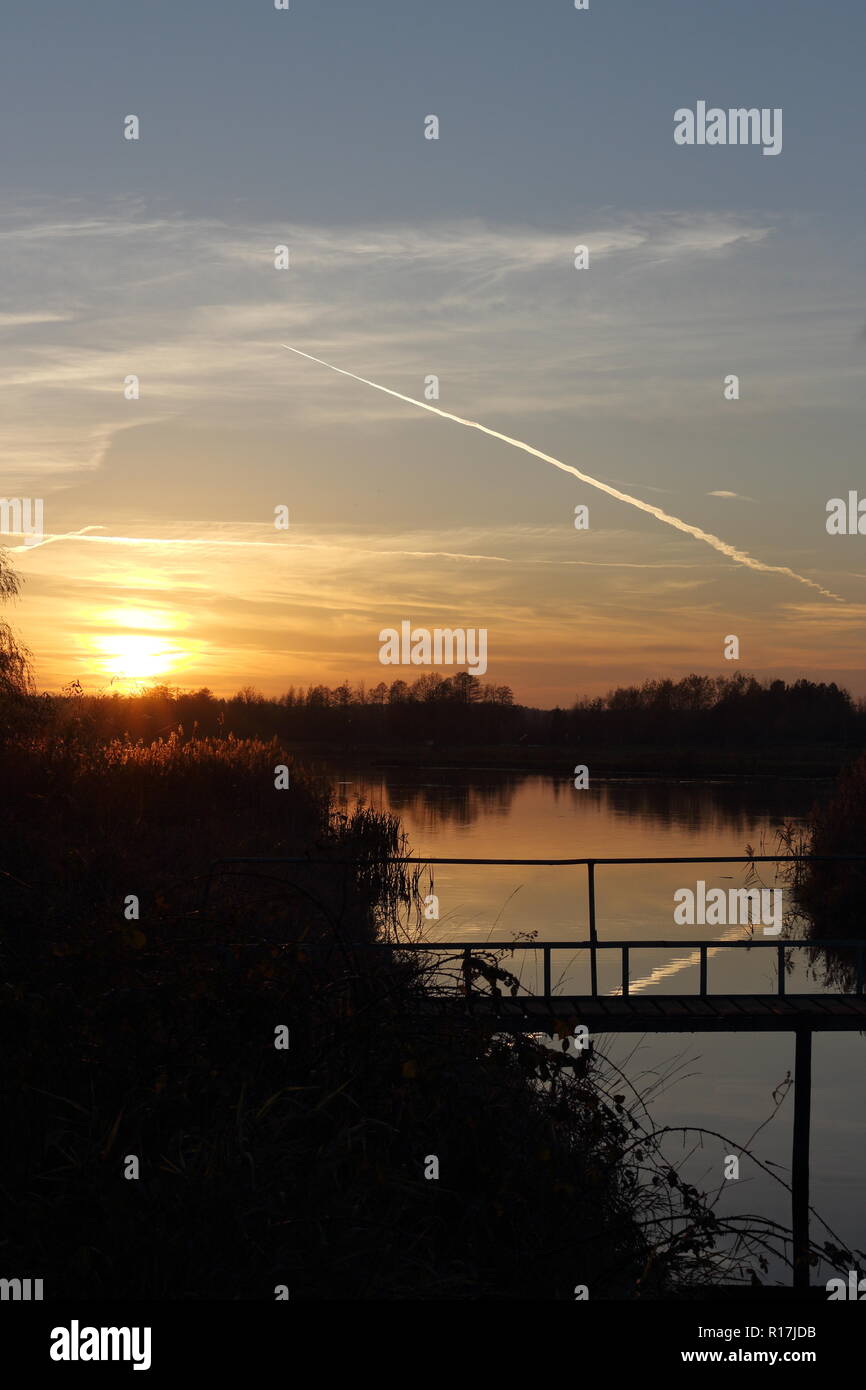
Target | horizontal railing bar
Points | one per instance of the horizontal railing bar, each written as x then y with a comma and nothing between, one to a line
634,943
689,859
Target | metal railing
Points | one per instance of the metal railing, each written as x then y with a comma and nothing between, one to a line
593,944
468,948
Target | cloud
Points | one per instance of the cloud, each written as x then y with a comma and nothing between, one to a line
21,320
192,305
739,556
634,348
308,607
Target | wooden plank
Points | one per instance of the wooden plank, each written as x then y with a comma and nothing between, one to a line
579,1008
747,1003
647,1006
726,1007
671,1008
833,1004
619,1008
810,1003
536,1005
711,1005
778,1004
701,1008
596,1006
565,1010
753,1003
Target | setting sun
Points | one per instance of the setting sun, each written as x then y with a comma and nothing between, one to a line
137,657
134,656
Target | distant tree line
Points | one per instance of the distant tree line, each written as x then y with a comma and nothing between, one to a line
730,710
698,710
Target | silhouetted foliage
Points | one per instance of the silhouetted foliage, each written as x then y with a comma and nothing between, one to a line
715,712
153,1036
829,896
18,705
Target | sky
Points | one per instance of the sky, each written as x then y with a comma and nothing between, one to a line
410,258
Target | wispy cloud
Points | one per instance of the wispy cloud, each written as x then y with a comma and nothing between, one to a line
191,306
23,320
612,365
739,556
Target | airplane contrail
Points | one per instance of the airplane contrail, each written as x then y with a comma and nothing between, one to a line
732,553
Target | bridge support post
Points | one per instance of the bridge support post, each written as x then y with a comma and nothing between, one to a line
800,1158
593,933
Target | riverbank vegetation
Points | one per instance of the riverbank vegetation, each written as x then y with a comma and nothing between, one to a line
698,726
152,1037
159,1144
828,896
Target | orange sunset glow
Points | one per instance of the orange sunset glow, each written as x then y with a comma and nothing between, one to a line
130,658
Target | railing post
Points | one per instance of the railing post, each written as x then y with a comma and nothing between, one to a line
781,955
593,934
547,972
703,979
859,967
624,971
800,1160
467,970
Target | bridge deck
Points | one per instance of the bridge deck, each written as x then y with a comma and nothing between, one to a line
661,1013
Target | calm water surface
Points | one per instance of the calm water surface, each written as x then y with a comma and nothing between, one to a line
721,1082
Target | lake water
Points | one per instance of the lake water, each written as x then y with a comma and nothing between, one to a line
722,1082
